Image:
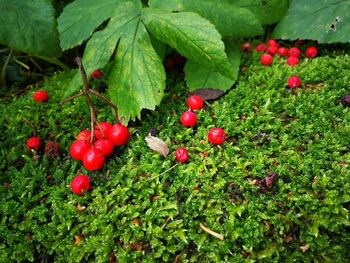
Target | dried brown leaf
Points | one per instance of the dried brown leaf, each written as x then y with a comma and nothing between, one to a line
157,145
81,208
136,246
78,240
305,248
208,94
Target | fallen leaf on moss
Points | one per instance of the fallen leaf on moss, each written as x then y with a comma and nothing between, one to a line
78,240
81,208
208,94
305,248
157,145
136,246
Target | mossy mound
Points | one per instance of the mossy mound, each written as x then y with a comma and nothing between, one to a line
135,212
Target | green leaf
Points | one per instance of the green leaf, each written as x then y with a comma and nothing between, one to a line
29,26
267,12
170,5
327,21
191,35
137,80
198,77
102,44
228,19
80,18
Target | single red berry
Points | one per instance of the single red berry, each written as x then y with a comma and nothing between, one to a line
181,155
260,48
195,102
272,43
84,135
188,119
282,52
216,136
247,47
78,149
294,82
311,52
119,134
105,146
33,143
96,74
294,52
273,50
292,61
80,184
266,59
102,130
40,96
93,159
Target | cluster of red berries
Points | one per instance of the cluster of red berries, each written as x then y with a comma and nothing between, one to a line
292,54
273,48
189,119
94,154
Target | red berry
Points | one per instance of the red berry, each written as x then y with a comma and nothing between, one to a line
294,52
102,130
79,184
293,82
181,155
292,61
40,96
93,159
311,52
345,100
105,146
33,143
119,134
247,47
84,135
266,59
78,149
216,136
272,50
96,74
195,102
188,119
260,48
282,52
272,43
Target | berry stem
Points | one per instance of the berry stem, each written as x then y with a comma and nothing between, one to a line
72,98
88,99
107,101
87,91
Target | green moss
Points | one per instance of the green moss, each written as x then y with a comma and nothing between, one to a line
303,138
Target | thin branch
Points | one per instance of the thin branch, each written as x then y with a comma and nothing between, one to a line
72,98
172,167
83,74
4,69
97,94
211,232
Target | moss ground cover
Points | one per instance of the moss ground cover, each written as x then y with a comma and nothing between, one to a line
135,214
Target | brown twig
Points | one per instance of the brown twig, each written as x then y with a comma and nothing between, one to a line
100,96
88,99
86,93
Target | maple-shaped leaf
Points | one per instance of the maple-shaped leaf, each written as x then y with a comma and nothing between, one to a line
137,76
